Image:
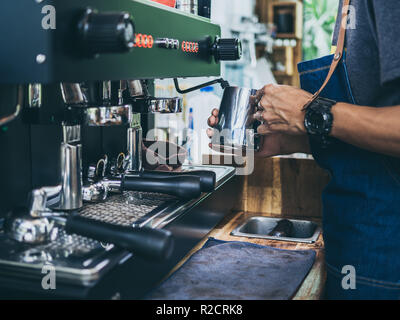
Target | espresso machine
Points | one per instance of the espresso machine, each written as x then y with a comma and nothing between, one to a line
76,100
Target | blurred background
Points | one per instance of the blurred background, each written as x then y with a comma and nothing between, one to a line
276,36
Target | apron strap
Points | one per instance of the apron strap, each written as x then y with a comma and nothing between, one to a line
339,51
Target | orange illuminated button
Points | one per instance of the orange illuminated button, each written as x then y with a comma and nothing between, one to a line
150,41
139,40
145,41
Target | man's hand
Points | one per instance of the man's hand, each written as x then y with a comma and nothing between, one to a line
273,144
281,110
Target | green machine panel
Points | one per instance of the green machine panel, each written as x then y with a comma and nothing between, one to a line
167,43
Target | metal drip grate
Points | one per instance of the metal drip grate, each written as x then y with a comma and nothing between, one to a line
78,259
126,208
63,246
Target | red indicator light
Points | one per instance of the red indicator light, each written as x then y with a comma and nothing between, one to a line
144,41
192,47
139,40
150,42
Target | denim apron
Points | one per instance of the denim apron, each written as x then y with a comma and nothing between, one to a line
361,204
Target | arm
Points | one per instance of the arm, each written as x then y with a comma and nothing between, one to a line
282,144
374,129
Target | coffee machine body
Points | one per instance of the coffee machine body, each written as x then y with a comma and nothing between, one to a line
69,95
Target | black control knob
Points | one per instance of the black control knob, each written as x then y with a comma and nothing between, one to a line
109,32
227,49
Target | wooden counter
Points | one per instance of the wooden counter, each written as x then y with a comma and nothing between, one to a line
311,288
281,188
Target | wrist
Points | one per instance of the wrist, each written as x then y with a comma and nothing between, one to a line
339,112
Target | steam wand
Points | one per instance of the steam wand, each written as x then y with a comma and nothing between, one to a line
224,84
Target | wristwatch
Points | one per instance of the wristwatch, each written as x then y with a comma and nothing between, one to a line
318,120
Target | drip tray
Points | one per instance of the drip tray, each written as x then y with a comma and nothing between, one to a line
259,227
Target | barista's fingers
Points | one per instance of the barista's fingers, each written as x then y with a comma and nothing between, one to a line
270,116
265,103
277,127
263,129
212,121
258,116
210,132
254,100
259,94
265,91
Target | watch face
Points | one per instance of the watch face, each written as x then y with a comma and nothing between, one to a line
315,122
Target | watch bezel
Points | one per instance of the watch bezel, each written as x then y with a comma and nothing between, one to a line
322,107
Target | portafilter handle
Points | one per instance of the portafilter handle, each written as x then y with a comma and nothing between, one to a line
146,242
207,178
186,187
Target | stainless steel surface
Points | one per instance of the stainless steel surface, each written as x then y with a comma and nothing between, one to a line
77,260
260,227
136,88
235,129
68,194
72,94
32,230
135,139
107,116
71,134
165,105
95,192
128,208
106,92
71,177
38,205
35,95
167,43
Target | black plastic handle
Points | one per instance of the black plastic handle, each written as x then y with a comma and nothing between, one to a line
149,243
208,179
187,187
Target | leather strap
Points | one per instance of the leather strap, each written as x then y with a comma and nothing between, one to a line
339,51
